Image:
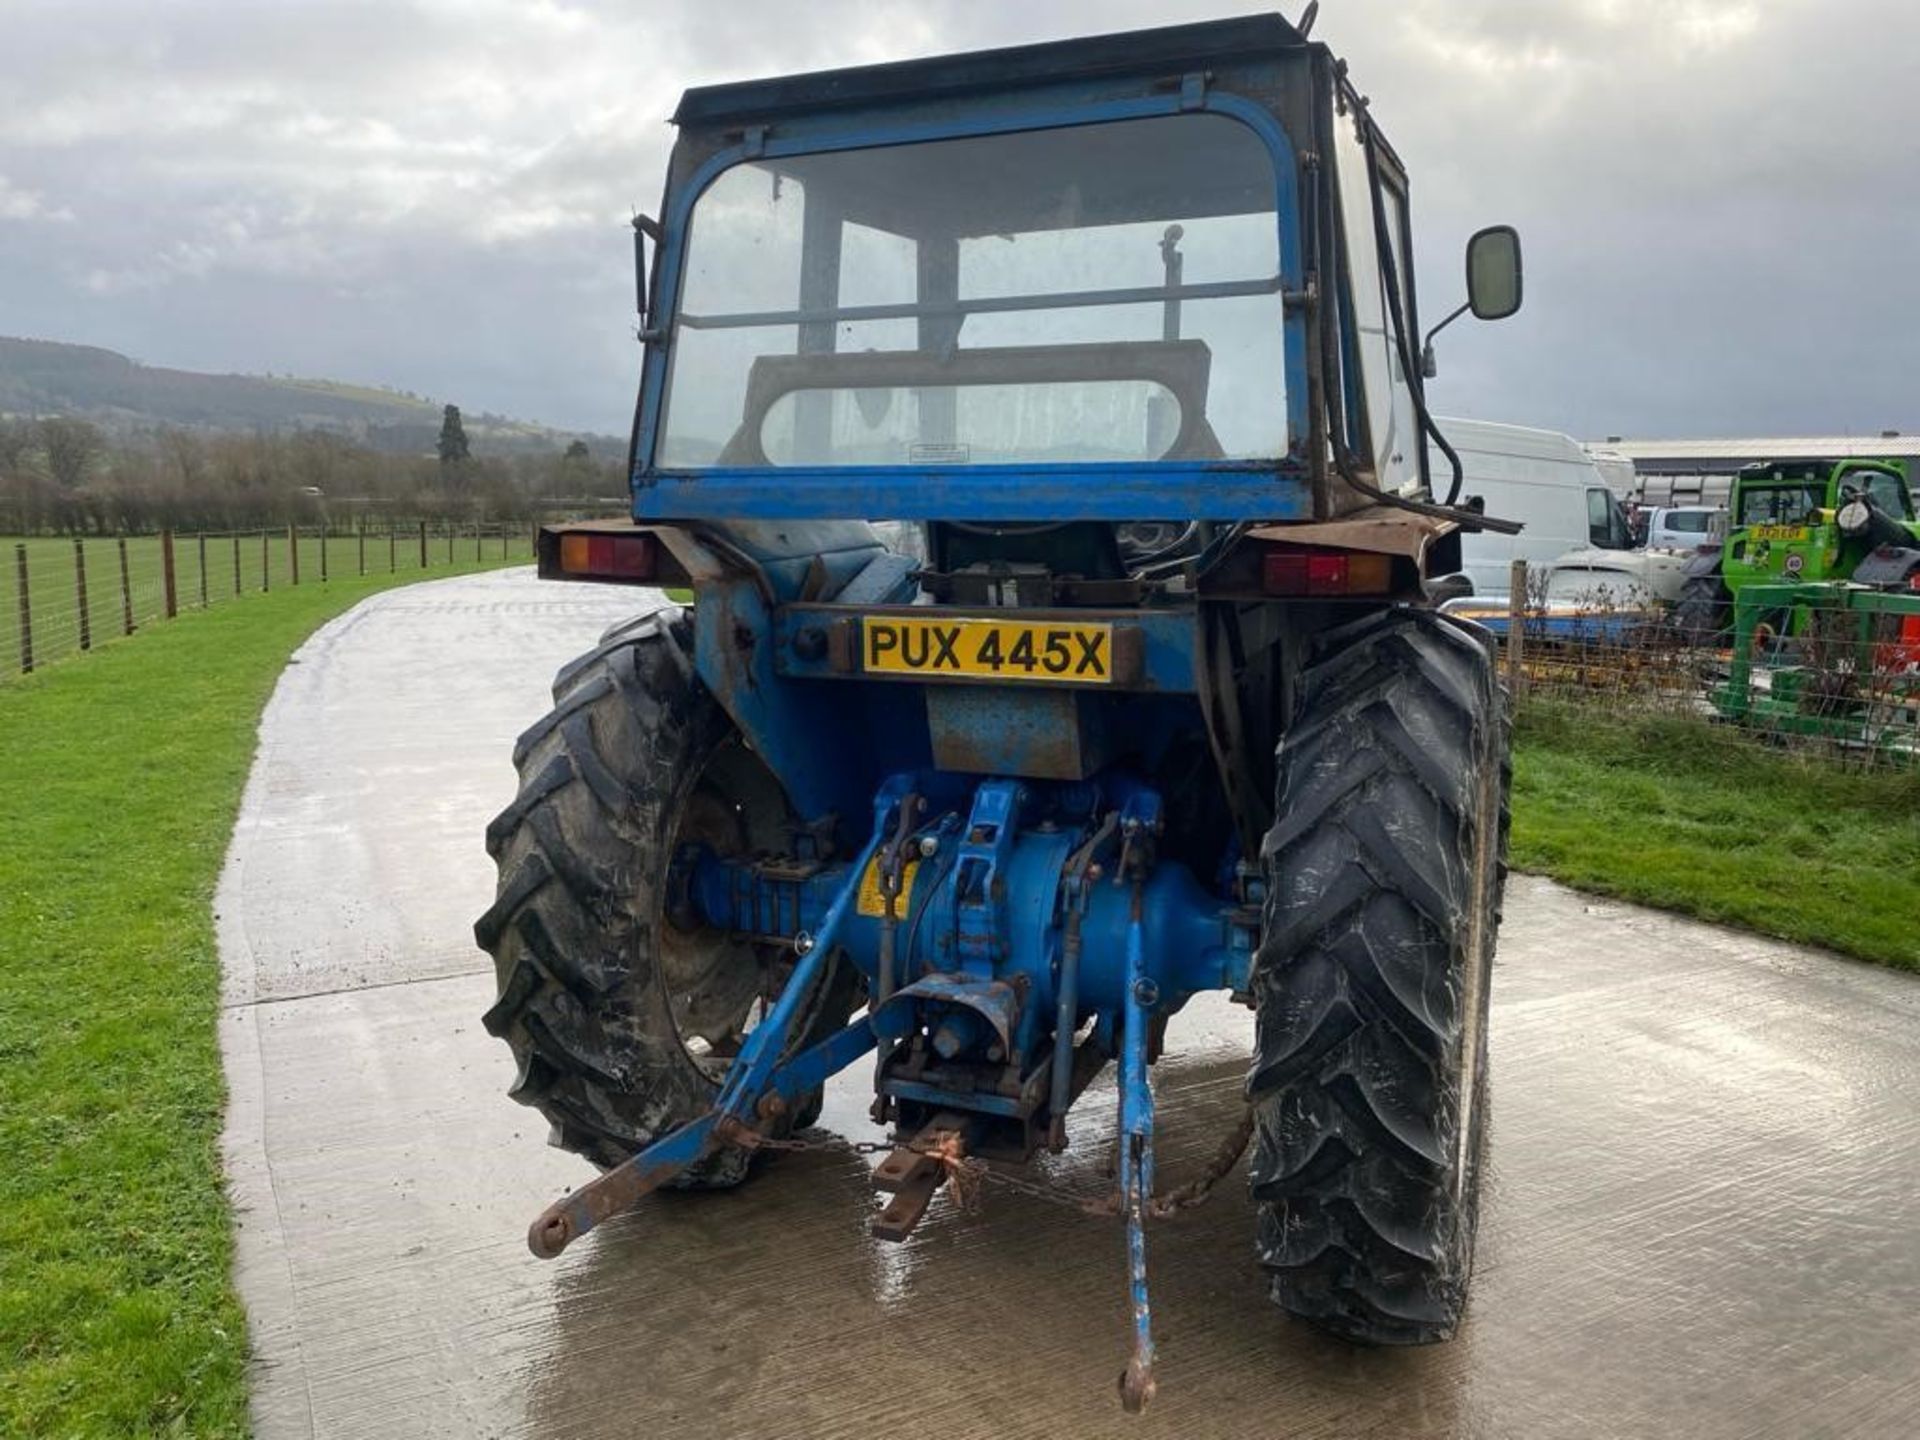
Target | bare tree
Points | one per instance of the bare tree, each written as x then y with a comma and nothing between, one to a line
72,448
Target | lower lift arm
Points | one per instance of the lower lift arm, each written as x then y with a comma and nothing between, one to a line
757,1085
1162,925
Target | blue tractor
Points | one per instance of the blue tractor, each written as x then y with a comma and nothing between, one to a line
1042,436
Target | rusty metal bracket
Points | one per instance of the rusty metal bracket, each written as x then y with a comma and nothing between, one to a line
914,1170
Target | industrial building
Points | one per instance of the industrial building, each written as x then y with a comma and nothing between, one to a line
1699,472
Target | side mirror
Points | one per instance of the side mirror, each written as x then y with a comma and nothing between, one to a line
1493,272
1493,285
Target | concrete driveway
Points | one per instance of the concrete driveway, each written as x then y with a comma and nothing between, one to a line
1702,1216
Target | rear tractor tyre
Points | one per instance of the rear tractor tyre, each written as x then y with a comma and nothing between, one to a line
1704,609
1384,876
623,1016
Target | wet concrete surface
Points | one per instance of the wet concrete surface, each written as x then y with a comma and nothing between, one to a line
1702,1214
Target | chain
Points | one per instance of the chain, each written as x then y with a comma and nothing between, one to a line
966,1175
1196,1190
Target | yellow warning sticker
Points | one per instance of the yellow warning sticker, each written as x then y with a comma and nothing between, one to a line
871,902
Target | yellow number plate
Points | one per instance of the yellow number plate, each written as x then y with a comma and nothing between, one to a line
1780,532
988,649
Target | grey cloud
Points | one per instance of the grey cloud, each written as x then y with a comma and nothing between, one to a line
1717,195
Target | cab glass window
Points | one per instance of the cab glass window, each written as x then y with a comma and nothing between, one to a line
1791,504
1887,491
1096,292
1392,434
1606,522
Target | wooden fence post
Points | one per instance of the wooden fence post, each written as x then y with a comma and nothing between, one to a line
451,527
126,589
236,562
293,553
323,554
167,579
393,552
26,610
266,562
1517,630
80,589
203,569
423,544
363,544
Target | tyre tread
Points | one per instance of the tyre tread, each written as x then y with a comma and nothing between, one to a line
1372,884
593,1043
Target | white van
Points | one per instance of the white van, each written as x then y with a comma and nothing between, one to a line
1541,478
1616,471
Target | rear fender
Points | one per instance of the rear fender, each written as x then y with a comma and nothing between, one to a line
1889,565
789,560
1705,562
1421,547
801,560
827,748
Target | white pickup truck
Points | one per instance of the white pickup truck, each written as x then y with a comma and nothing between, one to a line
1685,527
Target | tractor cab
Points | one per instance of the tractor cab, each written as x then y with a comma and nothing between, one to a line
1132,278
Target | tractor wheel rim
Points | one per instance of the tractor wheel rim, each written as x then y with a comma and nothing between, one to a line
716,984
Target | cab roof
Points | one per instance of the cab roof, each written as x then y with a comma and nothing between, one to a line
1166,50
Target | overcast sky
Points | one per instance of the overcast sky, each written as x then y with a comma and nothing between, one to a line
1720,198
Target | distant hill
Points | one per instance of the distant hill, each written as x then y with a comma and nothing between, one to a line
47,377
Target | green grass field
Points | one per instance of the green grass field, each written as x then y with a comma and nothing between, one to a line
53,591
122,774
1672,812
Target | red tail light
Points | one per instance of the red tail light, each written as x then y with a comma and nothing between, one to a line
1298,570
607,557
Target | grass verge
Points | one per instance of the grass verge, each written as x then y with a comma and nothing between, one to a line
1672,812
120,775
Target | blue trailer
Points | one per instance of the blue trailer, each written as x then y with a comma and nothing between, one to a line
1155,703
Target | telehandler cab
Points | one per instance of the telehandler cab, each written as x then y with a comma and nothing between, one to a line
1150,700
1802,523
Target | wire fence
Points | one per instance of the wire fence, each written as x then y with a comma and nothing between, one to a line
65,596
1832,669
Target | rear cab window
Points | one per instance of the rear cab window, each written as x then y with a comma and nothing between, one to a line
1790,504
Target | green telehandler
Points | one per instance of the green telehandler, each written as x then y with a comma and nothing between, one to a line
1798,523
